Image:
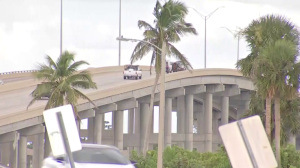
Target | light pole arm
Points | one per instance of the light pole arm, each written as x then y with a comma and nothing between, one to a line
135,40
209,15
198,12
228,30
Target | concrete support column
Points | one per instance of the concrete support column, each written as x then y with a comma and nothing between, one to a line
241,109
22,152
47,147
292,140
98,127
130,121
189,109
225,110
118,130
200,123
38,151
168,123
181,118
152,123
137,125
90,130
5,153
208,121
144,112
13,154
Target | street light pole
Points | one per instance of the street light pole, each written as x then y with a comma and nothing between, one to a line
205,19
120,32
162,98
61,18
236,34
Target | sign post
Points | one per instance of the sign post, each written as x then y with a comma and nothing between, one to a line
63,143
65,139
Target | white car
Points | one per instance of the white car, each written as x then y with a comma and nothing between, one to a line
132,71
1,82
92,156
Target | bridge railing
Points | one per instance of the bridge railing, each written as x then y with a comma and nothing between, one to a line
17,72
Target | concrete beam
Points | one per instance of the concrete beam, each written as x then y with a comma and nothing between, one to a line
87,114
195,89
107,108
244,96
21,124
214,88
172,93
33,130
230,90
127,104
8,137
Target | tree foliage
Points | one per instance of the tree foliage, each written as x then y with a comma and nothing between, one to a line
61,81
169,26
177,157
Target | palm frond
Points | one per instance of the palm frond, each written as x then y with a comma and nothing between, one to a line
178,55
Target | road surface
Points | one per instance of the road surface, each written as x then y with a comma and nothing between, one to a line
17,100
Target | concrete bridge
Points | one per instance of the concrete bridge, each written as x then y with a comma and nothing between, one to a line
205,98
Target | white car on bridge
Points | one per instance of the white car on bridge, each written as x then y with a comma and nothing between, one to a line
92,156
1,82
132,71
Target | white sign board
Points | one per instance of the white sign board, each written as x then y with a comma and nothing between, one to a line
54,132
258,142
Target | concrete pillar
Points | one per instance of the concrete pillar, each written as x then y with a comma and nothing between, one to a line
181,118
130,121
292,140
22,161
47,147
241,109
13,154
200,123
90,130
144,112
189,109
137,120
118,130
98,127
208,121
168,123
38,151
5,153
225,110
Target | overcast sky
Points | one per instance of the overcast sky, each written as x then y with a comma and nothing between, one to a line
30,29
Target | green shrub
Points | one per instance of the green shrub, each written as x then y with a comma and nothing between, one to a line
177,157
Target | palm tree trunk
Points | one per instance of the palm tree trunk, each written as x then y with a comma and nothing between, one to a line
147,133
277,130
268,117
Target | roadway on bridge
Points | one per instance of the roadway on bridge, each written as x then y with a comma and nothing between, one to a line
17,100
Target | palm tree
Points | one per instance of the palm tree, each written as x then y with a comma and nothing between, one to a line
289,111
260,33
61,82
277,75
169,26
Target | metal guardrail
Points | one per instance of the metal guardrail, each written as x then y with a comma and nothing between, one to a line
16,72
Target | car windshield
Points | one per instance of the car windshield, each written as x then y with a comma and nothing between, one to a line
99,156
134,67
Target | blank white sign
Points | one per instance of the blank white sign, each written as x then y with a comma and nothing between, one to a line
54,132
258,141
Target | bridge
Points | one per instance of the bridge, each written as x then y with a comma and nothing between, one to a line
205,98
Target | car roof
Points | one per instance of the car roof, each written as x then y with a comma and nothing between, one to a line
87,145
